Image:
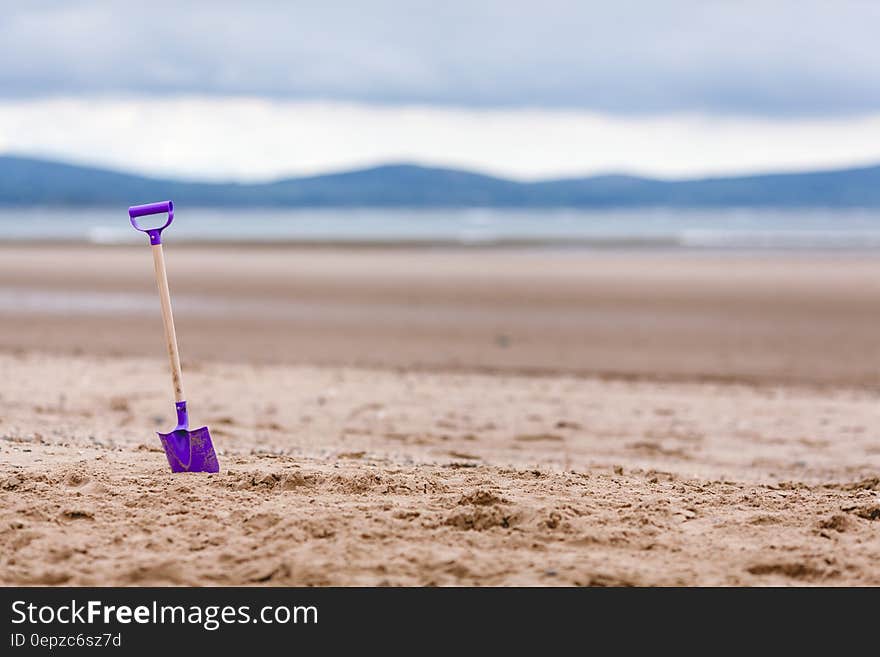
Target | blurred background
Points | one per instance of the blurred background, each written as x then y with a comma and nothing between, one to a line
663,189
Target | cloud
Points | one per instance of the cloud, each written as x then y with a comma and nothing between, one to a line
245,138
804,57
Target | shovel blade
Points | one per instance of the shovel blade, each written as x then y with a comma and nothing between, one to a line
190,451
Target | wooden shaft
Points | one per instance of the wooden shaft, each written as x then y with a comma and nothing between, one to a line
168,319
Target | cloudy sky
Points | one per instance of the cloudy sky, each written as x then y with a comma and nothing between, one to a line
256,90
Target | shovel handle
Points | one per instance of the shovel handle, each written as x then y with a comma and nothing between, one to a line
168,321
155,234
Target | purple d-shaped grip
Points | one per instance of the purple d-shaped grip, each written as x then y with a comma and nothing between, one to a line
152,208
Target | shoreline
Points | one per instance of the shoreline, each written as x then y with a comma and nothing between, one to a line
615,248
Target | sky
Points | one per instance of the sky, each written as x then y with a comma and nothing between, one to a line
261,90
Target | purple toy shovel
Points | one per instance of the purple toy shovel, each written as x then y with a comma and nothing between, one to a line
187,451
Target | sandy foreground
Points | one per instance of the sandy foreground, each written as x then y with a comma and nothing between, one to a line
442,419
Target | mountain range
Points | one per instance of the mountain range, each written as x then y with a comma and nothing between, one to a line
29,181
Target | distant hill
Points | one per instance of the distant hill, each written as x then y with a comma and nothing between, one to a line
27,181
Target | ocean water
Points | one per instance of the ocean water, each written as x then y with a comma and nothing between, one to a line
724,229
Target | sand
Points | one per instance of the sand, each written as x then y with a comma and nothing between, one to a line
693,316
439,418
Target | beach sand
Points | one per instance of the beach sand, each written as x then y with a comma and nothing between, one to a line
442,417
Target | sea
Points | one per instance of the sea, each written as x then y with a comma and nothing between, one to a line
733,229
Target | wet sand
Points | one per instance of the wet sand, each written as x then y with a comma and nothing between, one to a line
442,417
785,318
